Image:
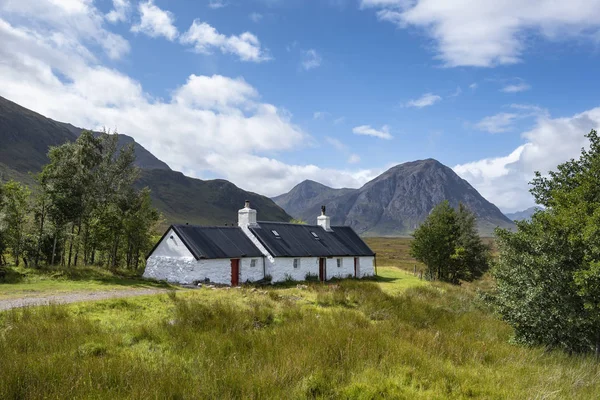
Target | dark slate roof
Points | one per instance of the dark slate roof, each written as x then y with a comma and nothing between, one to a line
295,240
216,242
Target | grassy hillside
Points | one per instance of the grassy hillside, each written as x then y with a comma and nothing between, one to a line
391,337
216,202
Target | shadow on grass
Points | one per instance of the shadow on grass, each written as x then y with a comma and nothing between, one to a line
9,275
379,278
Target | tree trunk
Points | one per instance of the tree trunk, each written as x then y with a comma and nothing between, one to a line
598,345
71,245
39,244
114,253
77,245
54,247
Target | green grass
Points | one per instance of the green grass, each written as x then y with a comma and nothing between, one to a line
393,336
24,282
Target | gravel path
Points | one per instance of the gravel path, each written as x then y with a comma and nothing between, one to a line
75,297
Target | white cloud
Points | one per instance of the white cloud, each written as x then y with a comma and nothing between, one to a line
343,148
489,33
383,133
339,120
473,86
504,180
354,159
457,92
311,59
428,99
256,17
272,177
216,4
516,87
320,114
155,22
210,125
205,38
119,12
336,143
501,122
72,26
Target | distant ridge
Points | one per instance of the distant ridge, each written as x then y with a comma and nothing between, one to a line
522,215
394,203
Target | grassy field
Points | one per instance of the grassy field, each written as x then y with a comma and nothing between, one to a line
23,282
394,336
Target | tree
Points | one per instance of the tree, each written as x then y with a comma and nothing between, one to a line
16,198
548,272
471,258
449,246
2,226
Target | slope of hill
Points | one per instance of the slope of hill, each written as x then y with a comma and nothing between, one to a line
306,199
143,158
25,137
522,215
215,202
397,201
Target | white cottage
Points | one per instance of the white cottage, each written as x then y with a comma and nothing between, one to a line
257,250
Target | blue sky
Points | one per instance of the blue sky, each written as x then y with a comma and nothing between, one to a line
267,93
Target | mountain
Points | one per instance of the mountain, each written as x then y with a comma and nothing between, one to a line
305,200
394,203
522,215
25,137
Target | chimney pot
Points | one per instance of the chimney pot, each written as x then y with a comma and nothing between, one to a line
323,220
246,216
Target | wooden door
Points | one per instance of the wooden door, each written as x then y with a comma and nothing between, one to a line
322,270
235,272
356,267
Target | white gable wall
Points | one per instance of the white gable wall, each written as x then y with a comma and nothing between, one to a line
172,261
366,266
172,246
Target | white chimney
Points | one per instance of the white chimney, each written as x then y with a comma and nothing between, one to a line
246,216
323,220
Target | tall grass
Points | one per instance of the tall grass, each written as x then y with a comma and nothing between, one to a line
349,340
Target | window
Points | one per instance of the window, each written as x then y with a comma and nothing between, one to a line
296,263
339,262
315,235
275,233
252,263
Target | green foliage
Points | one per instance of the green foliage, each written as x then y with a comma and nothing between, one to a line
448,244
85,209
14,217
297,221
548,272
431,342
